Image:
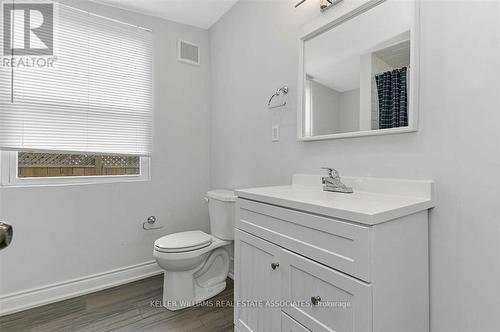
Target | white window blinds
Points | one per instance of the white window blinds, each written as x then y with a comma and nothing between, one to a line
97,97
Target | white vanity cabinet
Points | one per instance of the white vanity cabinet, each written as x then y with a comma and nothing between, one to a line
259,283
299,270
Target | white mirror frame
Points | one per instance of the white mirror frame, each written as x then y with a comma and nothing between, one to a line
343,14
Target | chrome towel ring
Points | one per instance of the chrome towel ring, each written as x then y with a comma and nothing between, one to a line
281,91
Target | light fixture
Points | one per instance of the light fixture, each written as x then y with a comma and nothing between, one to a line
323,4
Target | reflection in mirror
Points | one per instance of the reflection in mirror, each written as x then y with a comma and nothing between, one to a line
357,75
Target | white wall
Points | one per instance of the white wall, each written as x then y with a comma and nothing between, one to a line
349,111
325,109
61,233
365,91
332,111
254,51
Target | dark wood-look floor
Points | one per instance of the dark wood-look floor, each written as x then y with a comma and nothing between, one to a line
130,307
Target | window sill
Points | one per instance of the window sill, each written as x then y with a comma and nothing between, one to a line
72,181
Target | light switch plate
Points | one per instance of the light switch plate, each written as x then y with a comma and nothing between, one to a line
275,136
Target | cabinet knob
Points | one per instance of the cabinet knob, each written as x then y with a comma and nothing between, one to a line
274,265
315,300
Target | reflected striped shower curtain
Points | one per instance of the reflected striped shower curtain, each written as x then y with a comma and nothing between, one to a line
392,98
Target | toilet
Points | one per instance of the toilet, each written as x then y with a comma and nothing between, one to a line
196,264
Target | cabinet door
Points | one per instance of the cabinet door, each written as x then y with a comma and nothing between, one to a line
257,284
288,324
323,299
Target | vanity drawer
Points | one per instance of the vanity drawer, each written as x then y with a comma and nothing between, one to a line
341,303
288,324
341,245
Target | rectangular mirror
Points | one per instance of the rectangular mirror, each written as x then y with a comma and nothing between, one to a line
358,73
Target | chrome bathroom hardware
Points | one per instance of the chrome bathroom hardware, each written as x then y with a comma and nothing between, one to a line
6,233
150,221
323,4
332,182
283,90
327,4
315,300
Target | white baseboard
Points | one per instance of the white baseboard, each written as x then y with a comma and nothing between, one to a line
26,299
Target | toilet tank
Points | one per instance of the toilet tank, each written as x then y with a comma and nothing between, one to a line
221,208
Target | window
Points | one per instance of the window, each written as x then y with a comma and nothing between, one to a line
89,114
36,168
57,165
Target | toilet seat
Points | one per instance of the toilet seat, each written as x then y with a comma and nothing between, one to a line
183,241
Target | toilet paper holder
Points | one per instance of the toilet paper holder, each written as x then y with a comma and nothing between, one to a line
6,233
150,221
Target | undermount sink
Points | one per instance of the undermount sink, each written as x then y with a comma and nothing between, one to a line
374,200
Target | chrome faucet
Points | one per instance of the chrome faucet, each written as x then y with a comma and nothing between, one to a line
332,182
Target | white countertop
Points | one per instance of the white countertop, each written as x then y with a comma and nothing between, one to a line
373,201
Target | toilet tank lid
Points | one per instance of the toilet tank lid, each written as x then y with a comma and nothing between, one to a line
222,195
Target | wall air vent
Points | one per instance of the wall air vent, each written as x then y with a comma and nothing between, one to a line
188,52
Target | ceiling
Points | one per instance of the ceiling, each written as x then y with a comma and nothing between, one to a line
199,13
397,55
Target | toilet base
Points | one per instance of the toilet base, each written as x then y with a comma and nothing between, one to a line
194,297
183,289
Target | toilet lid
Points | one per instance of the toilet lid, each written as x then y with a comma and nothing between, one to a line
183,241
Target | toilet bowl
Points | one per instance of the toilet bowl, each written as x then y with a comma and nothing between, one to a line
196,264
